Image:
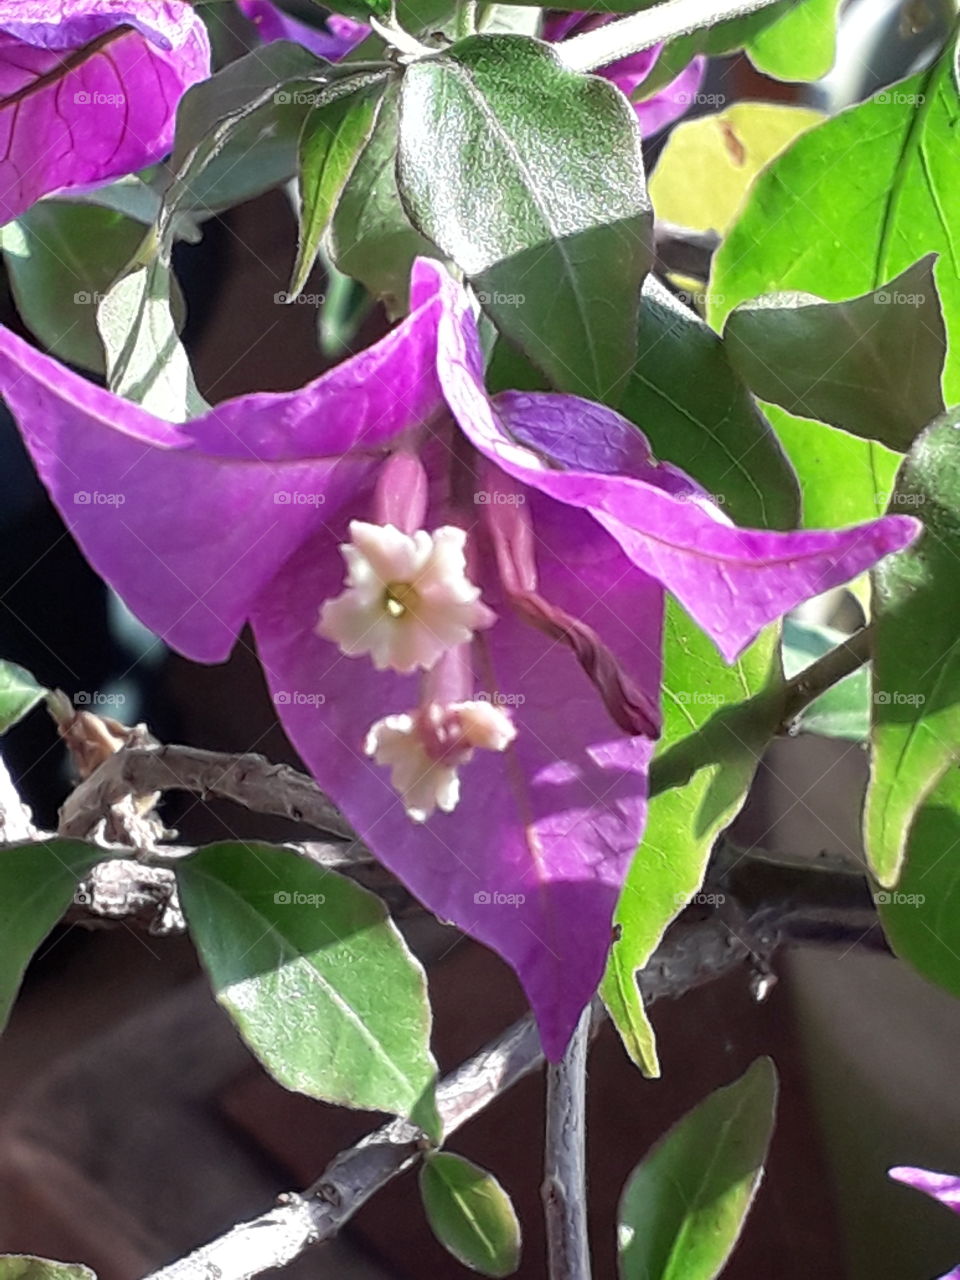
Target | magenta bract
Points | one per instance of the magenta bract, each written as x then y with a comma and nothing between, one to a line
546,534
89,90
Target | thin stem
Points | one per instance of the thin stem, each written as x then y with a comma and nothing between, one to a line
835,665
565,1179
615,40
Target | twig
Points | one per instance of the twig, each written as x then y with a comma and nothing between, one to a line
248,780
299,1221
688,957
564,1188
835,665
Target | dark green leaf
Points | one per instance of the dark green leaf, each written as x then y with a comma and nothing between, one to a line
697,414
333,137
21,1266
851,204
921,917
371,238
697,791
146,362
685,1204
800,45
19,693
871,365
916,649
316,977
530,177
61,259
37,884
844,710
237,132
470,1214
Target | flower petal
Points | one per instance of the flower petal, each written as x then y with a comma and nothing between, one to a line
732,581
532,859
188,522
667,104
944,1187
340,37
92,95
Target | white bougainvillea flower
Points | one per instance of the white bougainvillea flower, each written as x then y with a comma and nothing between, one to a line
408,597
426,748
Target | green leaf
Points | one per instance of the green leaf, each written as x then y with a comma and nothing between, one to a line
37,884
238,131
316,977
687,399
844,710
21,1266
530,177
371,238
695,794
130,196
921,917
871,366
333,137
470,1214
801,44
61,258
685,1204
916,649
726,151
19,693
851,204
698,415
146,362
714,40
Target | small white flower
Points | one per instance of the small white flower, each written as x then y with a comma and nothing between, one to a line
425,750
408,598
